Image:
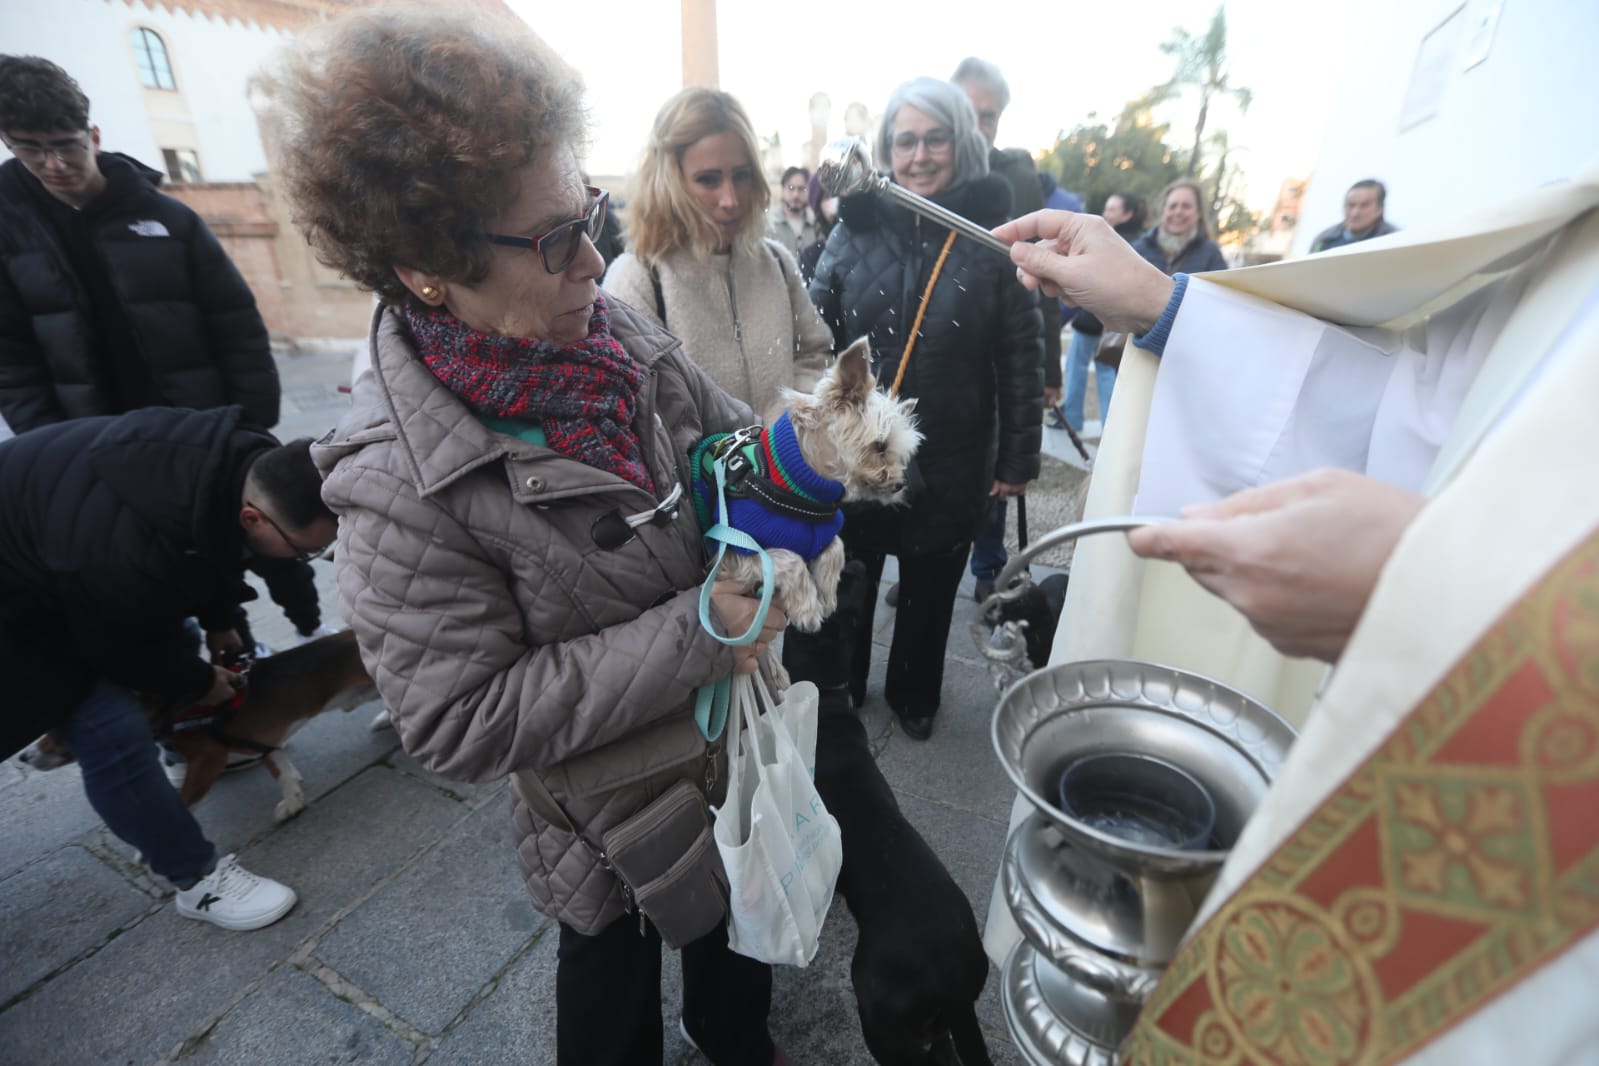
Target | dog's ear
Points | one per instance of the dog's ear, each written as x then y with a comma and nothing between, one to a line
852,374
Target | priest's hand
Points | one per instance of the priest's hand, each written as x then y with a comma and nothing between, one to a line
1081,260
1298,558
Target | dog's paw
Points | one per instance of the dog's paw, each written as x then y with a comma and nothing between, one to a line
380,721
288,807
806,616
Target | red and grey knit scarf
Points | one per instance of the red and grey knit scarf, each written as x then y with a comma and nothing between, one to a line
584,394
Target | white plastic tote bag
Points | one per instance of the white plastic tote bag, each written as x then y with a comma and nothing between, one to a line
781,849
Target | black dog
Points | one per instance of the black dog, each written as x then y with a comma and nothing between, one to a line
1040,608
919,964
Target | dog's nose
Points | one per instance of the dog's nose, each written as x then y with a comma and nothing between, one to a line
896,486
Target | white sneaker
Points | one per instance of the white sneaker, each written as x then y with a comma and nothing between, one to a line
177,770
235,898
238,760
323,630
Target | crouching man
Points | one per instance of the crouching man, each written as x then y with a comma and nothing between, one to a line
114,531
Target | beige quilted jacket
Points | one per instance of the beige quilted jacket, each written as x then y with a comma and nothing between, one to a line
744,318
502,638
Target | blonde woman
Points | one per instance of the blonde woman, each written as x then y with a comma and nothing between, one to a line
698,261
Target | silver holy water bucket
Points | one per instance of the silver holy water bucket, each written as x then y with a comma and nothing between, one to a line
1141,777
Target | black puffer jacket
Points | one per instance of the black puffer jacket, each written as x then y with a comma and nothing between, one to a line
113,530
977,357
1016,166
192,319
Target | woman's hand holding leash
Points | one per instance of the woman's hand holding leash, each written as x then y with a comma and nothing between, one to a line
736,608
1081,260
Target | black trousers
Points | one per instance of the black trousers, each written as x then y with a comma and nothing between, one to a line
928,585
608,998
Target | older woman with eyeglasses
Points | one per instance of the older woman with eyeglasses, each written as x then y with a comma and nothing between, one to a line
512,554
967,337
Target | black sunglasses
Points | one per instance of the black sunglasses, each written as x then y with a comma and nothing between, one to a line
560,246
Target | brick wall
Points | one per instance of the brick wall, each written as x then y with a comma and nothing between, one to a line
298,297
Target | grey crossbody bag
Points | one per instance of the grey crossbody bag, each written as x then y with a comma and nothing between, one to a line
664,856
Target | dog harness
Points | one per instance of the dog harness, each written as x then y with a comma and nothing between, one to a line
772,493
214,720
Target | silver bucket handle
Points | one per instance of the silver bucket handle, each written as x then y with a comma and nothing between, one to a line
1002,643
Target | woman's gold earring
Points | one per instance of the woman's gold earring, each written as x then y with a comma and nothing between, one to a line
430,292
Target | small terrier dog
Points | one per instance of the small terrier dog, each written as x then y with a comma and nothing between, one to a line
844,442
284,692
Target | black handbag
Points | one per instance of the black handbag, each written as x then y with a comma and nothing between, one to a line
1110,348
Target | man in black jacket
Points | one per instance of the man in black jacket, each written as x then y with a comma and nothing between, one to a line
114,532
1364,205
112,296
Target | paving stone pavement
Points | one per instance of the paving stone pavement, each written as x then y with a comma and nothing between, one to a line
413,941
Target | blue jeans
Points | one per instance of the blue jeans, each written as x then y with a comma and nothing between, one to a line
122,776
1079,357
988,550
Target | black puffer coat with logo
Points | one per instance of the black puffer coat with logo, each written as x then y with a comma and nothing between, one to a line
976,362
184,331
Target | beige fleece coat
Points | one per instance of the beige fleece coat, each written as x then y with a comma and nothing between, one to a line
501,636
743,317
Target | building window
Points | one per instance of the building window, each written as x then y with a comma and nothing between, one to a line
183,165
155,71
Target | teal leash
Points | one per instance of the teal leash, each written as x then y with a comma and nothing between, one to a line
711,700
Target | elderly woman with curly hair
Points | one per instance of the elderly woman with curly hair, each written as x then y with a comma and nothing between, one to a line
699,262
511,552
971,362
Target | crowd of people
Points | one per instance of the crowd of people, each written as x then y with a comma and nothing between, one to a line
529,397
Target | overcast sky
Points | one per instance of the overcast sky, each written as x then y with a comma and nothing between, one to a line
1063,60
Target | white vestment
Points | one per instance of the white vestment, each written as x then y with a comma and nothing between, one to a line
1448,329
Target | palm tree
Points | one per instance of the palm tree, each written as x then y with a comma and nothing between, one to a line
1202,65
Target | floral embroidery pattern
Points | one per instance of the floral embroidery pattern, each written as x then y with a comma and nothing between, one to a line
1463,843
1290,988
1448,867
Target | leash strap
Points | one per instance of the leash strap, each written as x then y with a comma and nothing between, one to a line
710,705
921,312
